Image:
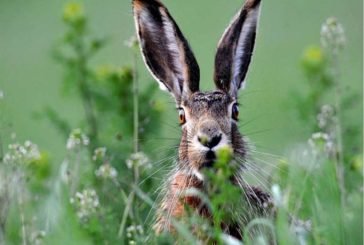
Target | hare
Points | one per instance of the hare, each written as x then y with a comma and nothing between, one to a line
208,119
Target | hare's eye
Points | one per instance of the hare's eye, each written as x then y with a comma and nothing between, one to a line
182,117
235,112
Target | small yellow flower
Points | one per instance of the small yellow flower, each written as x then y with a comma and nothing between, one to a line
224,154
313,57
73,12
104,72
313,54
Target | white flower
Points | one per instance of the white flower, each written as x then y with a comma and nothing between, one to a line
333,35
1,94
321,142
138,160
31,150
326,117
134,231
25,153
86,203
77,139
99,153
106,171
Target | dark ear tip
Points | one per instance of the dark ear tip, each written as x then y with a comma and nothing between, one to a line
144,1
249,4
138,5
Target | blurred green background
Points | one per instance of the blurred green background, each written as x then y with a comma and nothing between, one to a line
290,80
31,79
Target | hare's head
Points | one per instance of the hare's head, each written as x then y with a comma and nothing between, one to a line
208,119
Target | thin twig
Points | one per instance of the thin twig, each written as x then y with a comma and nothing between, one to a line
86,96
128,208
22,218
339,156
1,149
136,104
125,214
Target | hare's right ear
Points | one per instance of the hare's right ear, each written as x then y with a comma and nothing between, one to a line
236,48
164,48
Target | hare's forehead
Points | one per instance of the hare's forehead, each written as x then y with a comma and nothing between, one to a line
208,101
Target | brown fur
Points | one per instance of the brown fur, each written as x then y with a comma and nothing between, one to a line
213,107
209,122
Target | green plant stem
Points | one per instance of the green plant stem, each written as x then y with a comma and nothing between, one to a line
22,219
339,156
125,214
136,105
339,161
130,200
1,149
76,174
86,96
4,208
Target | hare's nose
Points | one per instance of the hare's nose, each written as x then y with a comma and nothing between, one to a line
209,142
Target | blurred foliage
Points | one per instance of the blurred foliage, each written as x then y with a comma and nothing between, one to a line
318,183
104,191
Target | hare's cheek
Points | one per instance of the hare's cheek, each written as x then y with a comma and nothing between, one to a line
195,158
196,151
191,130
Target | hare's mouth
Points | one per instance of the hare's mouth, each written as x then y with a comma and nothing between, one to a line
210,158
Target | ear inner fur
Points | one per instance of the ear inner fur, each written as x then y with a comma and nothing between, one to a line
235,49
165,50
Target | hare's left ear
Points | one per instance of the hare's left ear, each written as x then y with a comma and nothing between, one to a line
235,49
165,50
